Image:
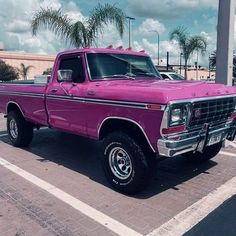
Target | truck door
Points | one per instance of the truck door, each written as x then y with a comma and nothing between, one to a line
64,99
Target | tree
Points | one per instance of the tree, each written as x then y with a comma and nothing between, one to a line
48,71
188,44
7,72
24,70
79,34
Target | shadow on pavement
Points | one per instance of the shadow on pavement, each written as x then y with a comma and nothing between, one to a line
83,156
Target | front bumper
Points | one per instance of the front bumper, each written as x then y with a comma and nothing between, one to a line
197,140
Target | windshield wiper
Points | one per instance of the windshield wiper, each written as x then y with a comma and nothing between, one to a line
147,74
118,76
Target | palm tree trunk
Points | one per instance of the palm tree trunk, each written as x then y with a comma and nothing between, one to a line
185,68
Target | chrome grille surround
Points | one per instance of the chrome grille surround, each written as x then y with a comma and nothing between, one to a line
211,111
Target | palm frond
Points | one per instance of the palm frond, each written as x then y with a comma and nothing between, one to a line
78,34
180,34
54,20
102,15
196,43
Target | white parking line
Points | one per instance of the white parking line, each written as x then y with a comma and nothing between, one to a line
87,210
192,215
232,144
228,154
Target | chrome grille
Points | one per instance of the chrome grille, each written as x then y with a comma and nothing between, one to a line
211,111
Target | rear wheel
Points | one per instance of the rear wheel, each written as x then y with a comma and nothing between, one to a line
124,163
209,153
19,130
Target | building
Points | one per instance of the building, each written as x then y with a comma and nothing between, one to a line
201,74
38,62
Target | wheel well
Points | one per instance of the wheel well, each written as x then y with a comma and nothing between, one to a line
13,107
128,127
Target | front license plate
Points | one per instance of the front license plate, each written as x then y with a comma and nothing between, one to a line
214,139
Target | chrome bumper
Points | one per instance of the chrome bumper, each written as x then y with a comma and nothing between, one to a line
196,141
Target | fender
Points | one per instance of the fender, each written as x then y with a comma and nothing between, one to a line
126,119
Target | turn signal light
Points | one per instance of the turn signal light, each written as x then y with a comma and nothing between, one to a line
173,130
154,106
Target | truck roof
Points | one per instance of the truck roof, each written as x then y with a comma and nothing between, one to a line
103,50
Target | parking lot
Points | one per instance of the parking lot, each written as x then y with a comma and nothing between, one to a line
57,187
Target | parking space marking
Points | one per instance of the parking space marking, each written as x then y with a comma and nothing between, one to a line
188,218
87,210
228,154
232,144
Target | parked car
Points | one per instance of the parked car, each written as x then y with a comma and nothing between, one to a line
118,97
171,76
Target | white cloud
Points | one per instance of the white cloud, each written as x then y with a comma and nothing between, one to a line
148,27
15,29
152,50
18,26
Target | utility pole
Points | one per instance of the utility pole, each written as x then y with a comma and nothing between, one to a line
130,19
167,61
225,37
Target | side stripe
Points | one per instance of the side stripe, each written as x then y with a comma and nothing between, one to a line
84,100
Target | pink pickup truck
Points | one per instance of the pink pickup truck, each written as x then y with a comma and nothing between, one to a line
117,96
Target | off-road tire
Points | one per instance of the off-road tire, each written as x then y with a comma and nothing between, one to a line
23,134
209,153
138,177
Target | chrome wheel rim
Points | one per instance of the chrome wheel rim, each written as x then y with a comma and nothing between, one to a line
13,129
120,163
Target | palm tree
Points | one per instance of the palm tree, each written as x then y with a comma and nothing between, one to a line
188,44
24,70
79,33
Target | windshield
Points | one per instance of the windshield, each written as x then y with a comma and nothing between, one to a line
177,77
120,66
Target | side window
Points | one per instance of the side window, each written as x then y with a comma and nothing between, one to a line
76,65
164,76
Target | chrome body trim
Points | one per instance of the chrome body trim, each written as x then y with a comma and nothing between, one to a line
12,102
195,141
85,100
22,94
126,119
104,102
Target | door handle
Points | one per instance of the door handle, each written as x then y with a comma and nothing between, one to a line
53,90
91,92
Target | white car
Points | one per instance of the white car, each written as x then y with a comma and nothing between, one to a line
171,76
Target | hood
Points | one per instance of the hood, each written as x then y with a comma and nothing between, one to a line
158,91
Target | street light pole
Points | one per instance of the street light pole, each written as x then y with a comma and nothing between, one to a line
158,45
209,67
180,62
130,19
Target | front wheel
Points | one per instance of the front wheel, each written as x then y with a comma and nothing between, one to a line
124,163
19,130
209,153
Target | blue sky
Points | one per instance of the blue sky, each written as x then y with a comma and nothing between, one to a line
198,16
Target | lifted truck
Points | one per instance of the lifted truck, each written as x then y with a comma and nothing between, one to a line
119,97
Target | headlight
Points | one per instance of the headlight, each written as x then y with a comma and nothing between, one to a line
178,114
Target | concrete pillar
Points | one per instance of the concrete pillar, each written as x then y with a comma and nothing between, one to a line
225,38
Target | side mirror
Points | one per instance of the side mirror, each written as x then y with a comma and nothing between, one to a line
64,75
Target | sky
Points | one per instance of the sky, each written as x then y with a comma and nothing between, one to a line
199,17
